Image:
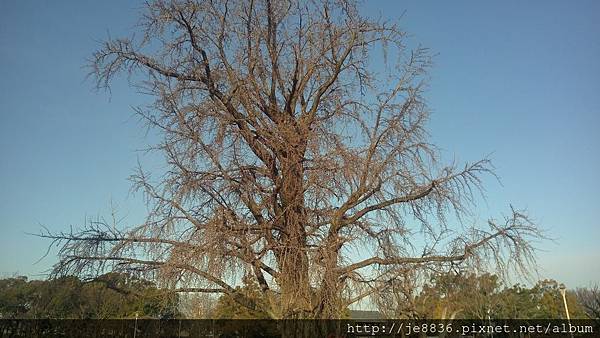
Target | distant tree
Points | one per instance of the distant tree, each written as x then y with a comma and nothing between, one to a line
589,298
542,301
295,132
459,295
15,297
122,295
551,301
517,302
466,295
109,296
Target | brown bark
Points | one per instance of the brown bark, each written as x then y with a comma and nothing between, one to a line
294,281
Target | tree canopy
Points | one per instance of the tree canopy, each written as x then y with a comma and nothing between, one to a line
297,151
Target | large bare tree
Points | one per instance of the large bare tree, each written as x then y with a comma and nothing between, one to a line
297,154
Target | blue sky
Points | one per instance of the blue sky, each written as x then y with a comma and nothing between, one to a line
519,80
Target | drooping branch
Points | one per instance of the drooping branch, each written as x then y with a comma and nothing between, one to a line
516,229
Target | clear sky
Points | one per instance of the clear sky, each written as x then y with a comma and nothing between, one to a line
519,80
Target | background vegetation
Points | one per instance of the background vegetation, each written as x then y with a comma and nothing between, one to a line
109,296
452,295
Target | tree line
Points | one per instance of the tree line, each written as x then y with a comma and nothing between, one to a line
446,296
111,295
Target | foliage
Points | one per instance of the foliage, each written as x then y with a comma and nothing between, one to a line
109,296
460,295
547,294
543,300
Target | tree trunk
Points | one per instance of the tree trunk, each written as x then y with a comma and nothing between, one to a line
329,296
292,256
